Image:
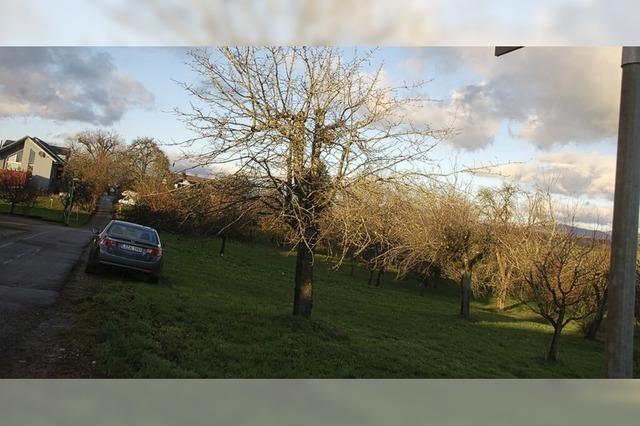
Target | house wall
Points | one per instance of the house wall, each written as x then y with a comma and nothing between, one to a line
9,162
41,167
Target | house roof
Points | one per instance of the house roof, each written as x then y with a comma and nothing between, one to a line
53,151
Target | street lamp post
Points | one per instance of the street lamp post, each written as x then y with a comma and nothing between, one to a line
624,233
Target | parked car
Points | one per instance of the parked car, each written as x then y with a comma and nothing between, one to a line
126,245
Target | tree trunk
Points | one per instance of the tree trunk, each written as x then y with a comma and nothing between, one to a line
501,299
371,271
13,206
379,278
424,282
504,276
303,292
465,295
552,356
353,267
593,327
224,243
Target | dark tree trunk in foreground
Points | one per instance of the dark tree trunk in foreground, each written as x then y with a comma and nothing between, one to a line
379,278
303,292
465,295
223,245
593,327
371,271
552,356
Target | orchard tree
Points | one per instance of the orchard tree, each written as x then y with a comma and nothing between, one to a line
461,240
225,205
498,210
304,123
364,222
561,273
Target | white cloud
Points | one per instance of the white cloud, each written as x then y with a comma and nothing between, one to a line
549,96
566,173
66,84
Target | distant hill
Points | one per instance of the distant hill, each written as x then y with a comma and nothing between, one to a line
587,233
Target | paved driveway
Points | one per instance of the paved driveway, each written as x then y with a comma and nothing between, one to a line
35,259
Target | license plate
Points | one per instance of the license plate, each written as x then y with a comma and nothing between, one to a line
131,248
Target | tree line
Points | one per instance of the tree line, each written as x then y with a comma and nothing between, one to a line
503,242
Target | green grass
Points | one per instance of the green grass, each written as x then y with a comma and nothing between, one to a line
230,317
50,209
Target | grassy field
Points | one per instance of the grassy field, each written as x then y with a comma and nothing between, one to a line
230,317
48,208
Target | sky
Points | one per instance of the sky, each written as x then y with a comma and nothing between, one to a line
544,114
538,116
406,22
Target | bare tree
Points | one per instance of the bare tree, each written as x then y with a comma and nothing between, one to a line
462,241
560,273
147,161
97,157
364,222
440,230
305,123
497,207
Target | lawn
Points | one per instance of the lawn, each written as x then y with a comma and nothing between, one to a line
50,209
230,317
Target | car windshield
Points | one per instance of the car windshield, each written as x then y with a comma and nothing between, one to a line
129,232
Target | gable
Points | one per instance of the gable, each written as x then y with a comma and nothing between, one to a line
26,144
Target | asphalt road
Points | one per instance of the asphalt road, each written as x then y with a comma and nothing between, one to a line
36,257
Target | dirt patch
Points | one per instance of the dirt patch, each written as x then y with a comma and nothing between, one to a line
46,349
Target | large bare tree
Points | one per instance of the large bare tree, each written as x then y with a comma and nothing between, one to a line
146,161
305,123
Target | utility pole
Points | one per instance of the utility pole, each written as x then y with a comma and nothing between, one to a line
624,234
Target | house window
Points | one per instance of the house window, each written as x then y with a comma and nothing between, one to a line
32,159
19,156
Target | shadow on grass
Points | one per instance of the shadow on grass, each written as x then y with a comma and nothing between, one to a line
115,274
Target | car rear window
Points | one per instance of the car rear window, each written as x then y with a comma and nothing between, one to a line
121,230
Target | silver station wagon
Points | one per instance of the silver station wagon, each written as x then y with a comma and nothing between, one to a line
126,245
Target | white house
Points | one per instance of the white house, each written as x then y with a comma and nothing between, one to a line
44,161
